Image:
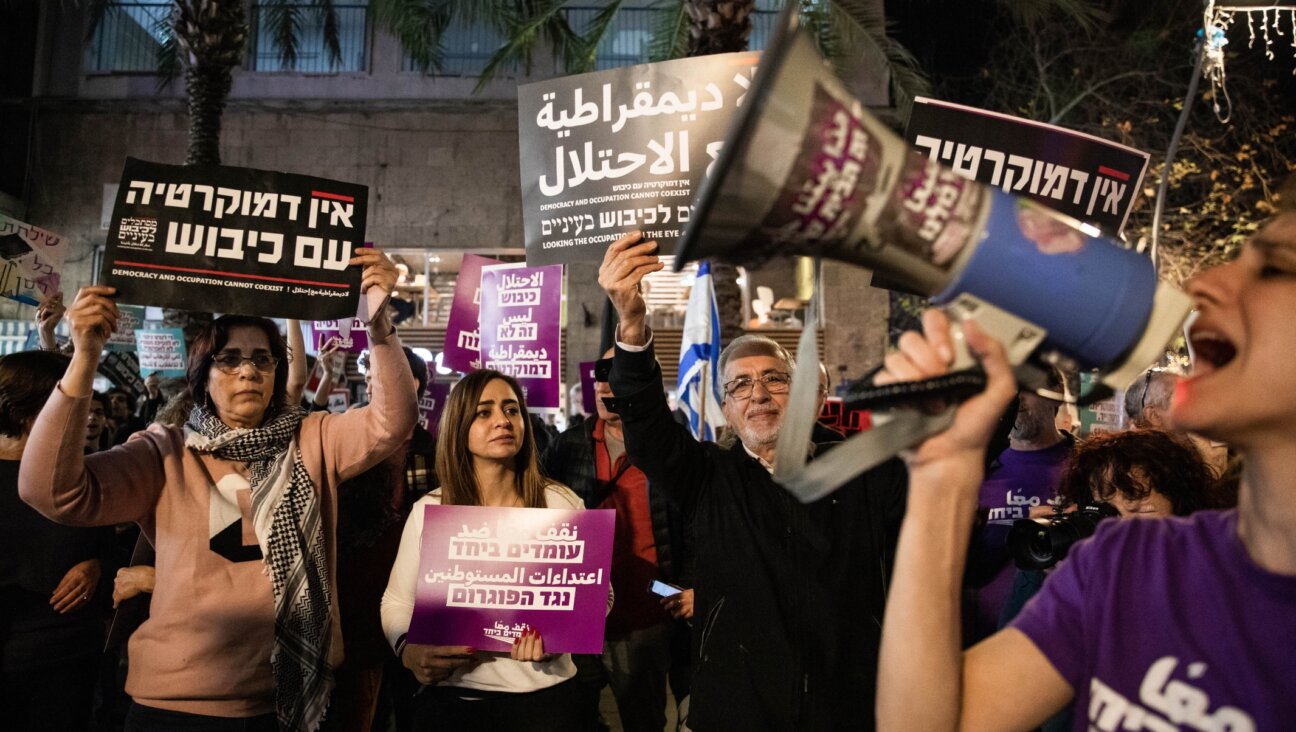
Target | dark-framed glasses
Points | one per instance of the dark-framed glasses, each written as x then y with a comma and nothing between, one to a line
603,370
230,363
775,382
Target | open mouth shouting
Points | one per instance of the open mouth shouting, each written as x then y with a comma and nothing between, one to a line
1210,350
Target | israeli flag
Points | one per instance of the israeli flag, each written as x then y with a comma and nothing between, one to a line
699,367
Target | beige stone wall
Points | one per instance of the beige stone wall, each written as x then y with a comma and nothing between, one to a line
855,320
443,176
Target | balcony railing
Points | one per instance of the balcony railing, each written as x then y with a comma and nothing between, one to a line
130,34
128,37
312,54
468,48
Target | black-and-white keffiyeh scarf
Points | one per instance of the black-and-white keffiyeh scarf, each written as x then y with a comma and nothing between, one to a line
288,525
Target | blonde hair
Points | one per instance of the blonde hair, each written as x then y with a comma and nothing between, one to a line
454,464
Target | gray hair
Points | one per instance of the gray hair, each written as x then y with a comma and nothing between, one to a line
754,345
1137,398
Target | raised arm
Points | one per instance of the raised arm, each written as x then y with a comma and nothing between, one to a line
297,373
116,486
360,438
924,681
658,445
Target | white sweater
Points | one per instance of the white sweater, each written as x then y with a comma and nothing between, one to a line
497,673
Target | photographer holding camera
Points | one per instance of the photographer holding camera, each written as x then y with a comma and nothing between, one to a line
1177,623
1135,474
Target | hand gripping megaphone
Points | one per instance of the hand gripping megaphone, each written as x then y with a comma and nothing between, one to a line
805,170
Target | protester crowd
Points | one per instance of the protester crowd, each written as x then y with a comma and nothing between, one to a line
275,544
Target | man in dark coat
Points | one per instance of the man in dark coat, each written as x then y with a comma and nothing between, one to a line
789,596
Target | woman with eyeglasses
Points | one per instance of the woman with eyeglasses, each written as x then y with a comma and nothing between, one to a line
240,504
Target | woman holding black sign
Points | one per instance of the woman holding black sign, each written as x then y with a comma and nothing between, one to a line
239,504
486,456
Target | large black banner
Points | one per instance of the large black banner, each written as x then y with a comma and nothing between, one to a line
235,240
1087,178
614,151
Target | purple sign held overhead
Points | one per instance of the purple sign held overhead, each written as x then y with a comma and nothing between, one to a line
431,404
521,310
488,574
461,339
352,334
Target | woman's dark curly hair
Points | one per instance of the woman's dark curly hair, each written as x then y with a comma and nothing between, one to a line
26,380
1136,463
213,339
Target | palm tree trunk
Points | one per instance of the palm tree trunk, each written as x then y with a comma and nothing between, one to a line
722,26
208,86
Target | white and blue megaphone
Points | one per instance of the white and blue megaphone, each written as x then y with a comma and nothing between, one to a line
806,171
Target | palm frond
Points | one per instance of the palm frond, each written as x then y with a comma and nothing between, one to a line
168,55
97,10
670,37
860,28
332,37
593,36
1083,13
282,22
419,26
542,21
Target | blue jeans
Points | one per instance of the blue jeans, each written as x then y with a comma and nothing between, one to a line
151,719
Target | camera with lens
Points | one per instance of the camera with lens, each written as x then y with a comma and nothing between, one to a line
1043,542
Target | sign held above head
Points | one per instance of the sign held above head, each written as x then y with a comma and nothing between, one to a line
214,238
610,152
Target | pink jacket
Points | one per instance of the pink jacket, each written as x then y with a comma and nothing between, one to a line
205,648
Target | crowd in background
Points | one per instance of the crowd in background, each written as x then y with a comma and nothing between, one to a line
272,545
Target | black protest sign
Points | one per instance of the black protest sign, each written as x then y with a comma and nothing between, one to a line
122,369
213,238
1092,180
610,152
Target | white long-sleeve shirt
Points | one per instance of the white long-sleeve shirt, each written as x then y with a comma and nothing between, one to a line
497,673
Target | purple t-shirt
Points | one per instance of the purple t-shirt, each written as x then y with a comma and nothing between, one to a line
1024,479
1168,624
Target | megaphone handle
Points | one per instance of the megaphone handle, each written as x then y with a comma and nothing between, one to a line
952,387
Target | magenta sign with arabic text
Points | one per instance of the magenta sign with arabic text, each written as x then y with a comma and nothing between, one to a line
521,315
488,574
462,343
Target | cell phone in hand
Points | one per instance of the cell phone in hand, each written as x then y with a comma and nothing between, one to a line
657,587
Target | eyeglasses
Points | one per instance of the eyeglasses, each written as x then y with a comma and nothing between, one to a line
1147,382
230,363
603,370
775,382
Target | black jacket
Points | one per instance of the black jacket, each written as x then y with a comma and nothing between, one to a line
570,460
789,596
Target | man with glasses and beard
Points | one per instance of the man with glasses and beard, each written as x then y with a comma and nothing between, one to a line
1020,484
789,596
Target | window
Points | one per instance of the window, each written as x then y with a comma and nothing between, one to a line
465,49
627,40
128,37
312,54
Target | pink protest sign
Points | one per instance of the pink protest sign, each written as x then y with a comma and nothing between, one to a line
431,404
461,351
353,334
488,574
521,312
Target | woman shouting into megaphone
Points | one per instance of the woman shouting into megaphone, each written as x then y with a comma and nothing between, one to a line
1177,623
